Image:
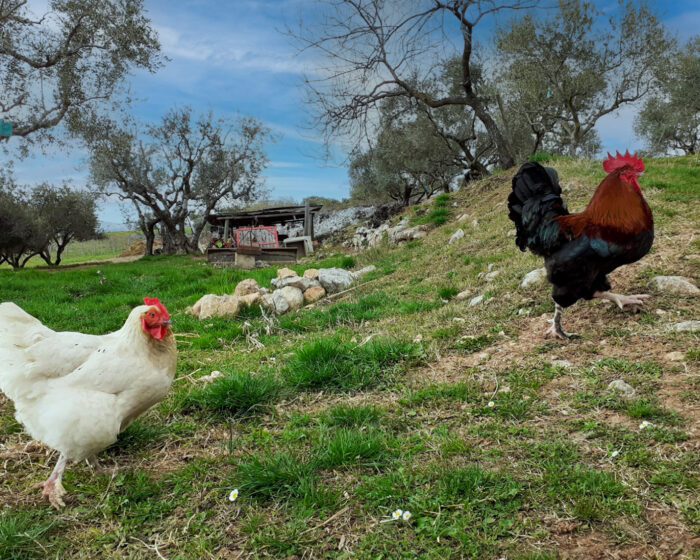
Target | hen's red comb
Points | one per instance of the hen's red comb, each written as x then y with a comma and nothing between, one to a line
620,160
155,301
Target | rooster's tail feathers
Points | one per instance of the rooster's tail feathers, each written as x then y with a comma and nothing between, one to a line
533,205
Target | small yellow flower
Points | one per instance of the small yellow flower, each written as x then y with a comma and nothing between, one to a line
491,404
406,515
233,496
397,514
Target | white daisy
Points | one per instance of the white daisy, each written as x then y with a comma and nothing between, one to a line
397,514
233,496
491,404
406,515
615,453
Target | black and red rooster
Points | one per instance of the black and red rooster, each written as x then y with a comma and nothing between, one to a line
580,249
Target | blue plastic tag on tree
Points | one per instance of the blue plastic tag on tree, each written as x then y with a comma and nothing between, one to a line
5,128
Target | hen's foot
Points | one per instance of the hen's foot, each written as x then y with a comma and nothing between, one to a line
621,300
53,490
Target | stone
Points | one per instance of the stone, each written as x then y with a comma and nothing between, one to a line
365,270
245,287
491,275
250,299
335,280
463,218
686,326
399,234
311,273
674,285
211,305
287,299
675,356
314,293
301,282
619,385
566,364
476,301
285,272
534,277
456,236
463,295
475,223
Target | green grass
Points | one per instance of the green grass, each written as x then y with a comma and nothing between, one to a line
333,419
337,365
239,393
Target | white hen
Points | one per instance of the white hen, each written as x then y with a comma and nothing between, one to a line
76,392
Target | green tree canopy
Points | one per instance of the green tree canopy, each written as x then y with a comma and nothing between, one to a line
670,120
69,63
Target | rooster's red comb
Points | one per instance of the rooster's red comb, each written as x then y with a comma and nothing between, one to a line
156,302
620,160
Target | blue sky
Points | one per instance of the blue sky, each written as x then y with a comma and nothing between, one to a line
228,56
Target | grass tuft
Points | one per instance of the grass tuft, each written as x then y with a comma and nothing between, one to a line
333,364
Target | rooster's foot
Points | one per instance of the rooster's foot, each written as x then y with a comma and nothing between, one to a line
621,300
53,490
555,331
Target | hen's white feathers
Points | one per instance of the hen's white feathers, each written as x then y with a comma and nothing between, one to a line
76,392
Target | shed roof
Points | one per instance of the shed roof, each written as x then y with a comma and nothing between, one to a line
265,217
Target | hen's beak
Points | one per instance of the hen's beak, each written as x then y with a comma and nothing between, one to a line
166,323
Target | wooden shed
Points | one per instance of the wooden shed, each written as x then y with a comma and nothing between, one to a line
270,235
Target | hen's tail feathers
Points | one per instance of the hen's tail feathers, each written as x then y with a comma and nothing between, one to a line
533,205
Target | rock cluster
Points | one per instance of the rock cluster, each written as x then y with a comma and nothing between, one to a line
371,237
291,292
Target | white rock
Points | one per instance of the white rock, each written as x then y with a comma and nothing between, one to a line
476,301
463,218
534,277
335,280
624,388
674,285
245,287
287,299
475,223
491,275
301,282
686,326
312,272
365,270
456,236
463,295
211,305
562,363
284,272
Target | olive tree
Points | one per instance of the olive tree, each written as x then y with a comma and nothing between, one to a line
373,50
63,66
409,160
64,215
182,167
566,71
670,119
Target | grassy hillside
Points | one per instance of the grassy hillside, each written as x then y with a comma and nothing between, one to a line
381,400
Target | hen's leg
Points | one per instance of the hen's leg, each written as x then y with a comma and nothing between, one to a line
53,489
622,300
555,330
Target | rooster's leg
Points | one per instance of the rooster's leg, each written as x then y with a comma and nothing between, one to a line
555,330
53,489
622,300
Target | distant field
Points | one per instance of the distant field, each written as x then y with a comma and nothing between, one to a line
77,252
